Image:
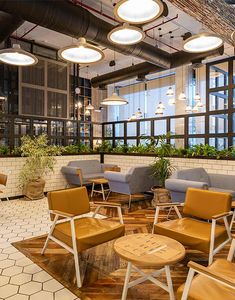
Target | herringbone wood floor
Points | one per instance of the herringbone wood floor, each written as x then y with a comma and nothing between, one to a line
102,270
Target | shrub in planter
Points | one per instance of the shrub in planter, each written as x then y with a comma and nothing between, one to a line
40,159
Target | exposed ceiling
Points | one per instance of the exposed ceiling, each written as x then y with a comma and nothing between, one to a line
180,23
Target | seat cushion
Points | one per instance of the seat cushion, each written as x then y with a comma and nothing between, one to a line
191,232
222,190
204,288
89,232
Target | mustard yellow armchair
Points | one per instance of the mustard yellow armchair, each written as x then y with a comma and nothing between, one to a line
199,229
76,233
215,282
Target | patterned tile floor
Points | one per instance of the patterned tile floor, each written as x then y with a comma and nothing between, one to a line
20,278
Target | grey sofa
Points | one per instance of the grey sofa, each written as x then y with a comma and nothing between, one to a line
137,180
200,179
79,172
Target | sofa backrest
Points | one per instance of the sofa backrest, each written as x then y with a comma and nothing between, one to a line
141,179
206,204
196,174
87,166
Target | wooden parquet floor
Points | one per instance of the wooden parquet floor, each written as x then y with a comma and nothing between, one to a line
103,271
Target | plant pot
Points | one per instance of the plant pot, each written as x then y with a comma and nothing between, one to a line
161,195
34,190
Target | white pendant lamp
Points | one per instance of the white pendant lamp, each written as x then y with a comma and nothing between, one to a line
139,114
182,96
172,101
159,111
78,104
81,53
138,11
90,106
126,35
161,105
188,109
87,113
170,91
114,99
17,57
202,42
195,109
197,97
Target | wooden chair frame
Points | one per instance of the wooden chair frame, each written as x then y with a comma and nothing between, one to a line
71,218
224,216
199,269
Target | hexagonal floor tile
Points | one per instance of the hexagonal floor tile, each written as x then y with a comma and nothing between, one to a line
21,278
64,295
8,290
30,288
10,250
32,269
42,295
17,255
24,262
41,276
52,286
6,263
11,271
4,280
3,256
18,297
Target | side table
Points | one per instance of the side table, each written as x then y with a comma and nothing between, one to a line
101,182
149,251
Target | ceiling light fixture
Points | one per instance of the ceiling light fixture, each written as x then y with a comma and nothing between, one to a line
172,101
114,99
87,113
170,91
139,114
182,96
17,57
202,42
195,109
126,35
188,109
159,111
89,106
161,105
138,11
81,53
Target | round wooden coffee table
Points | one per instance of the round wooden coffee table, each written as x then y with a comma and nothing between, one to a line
149,251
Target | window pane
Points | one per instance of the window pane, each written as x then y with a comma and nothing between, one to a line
160,127
195,141
71,128
131,129
34,74
177,143
218,100
218,75
145,128
32,101
131,142
57,76
220,143
197,125
39,127
218,123
119,130
97,130
57,128
22,126
85,130
56,105
108,130
177,126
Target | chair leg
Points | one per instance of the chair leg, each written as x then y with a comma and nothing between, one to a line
49,234
233,220
212,242
129,202
75,253
188,284
127,278
169,283
108,195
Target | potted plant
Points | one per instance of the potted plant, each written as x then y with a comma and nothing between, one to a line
40,159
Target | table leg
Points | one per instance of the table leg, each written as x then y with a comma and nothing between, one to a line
169,283
102,189
233,220
92,190
127,278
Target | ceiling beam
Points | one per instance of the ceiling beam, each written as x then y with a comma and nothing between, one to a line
216,15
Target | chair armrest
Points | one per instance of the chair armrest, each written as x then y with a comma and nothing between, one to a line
180,185
171,204
105,203
220,216
211,274
70,170
62,213
116,176
109,167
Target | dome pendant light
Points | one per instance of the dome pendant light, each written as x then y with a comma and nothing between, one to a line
182,96
170,91
188,109
161,105
89,106
159,111
81,53
139,114
202,42
138,11
114,99
17,57
126,35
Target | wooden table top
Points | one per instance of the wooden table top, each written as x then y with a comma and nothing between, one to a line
99,180
149,250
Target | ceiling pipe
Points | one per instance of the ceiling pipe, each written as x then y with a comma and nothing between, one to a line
8,24
75,21
177,59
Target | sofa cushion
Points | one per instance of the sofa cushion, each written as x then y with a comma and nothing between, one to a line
89,232
211,289
212,188
197,174
191,232
87,166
